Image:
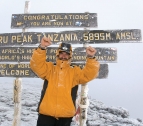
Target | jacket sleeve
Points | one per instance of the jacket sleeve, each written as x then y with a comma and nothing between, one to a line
39,65
88,73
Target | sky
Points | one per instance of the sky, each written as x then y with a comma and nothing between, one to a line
124,85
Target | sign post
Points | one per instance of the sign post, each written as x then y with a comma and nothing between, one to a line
84,102
17,87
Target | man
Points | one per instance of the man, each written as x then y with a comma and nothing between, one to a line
56,107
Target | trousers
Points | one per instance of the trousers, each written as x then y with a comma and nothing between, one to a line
44,120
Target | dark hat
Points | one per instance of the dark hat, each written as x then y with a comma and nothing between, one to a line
65,47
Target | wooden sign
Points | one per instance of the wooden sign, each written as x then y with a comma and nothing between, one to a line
54,20
23,70
23,54
74,37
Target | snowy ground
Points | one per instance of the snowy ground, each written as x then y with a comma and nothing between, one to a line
98,113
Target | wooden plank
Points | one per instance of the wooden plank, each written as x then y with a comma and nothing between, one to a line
54,20
73,37
23,54
24,71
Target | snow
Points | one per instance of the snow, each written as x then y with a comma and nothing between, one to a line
98,113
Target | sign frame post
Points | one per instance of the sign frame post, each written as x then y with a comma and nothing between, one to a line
18,86
84,102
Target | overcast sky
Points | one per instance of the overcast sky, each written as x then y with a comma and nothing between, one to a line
124,85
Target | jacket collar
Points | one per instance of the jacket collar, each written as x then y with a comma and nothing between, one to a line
62,64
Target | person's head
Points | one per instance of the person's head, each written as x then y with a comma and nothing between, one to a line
64,51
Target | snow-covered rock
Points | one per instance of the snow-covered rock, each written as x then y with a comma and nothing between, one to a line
98,113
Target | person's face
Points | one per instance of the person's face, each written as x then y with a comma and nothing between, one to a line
64,56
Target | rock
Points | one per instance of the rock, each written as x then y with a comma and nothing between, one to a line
98,113
139,120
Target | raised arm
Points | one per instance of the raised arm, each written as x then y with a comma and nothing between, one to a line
90,70
38,61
